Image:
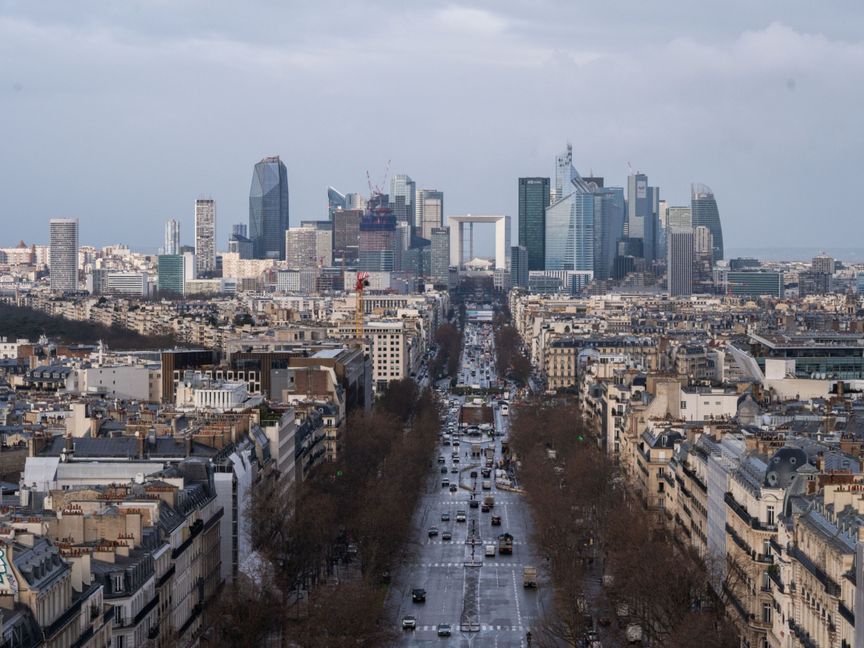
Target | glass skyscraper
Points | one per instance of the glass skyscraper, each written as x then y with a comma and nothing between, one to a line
172,237
429,213
609,216
534,198
268,209
703,209
643,206
335,201
403,192
570,220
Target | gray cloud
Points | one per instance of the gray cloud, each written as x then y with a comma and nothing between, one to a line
121,114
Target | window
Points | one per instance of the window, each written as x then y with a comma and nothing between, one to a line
683,404
769,514
117,583
766,613
118,615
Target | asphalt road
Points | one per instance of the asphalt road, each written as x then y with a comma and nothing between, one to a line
482,598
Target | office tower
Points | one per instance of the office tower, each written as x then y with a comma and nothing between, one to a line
308,247
534,198
170,274
430,212
643,206
595,180
753,283
703,254
704,212
172,237
824,264
346,236
679,261
335,202
569,243
519,264
402,199
355,201
240,229
703,241
268,209
609,216
64,254
440,261
239,243
678,217
378,242
205,235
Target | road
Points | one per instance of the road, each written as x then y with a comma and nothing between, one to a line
481,598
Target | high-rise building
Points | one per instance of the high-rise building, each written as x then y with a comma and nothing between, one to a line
429,213
609,216
268,209
241,229
753,283
519,266
679,261
403,198
205,235
569,243
440,261
171,275
172,237
239,242
64,254
678,217
824,264
534,198
643,207
378,242
335,201
704,212
346,236
308,247
355,201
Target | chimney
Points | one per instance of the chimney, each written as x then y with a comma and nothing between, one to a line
139,440
69,447
188,439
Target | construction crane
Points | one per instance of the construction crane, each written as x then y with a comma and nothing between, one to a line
360,287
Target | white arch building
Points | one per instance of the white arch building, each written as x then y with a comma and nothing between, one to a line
457,238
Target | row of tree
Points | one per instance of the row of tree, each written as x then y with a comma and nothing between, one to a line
23,322
325,549
510,360
446,361
605,554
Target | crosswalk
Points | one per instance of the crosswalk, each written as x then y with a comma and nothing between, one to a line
462,564
454,541
454,627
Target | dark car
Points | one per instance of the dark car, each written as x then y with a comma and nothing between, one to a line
474,473
446,536
496,520
484,508
445,517
453,488
433,531
418,595
474,504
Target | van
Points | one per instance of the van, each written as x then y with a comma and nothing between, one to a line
490,550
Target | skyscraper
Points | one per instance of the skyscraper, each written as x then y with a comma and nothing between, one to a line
643,206
678,217
534,198
301,247
440,262
346,236
519,266
205,235
172,237
609,216
268,209
679,261
403,192
569,241
64,254
171,274
704,212
378,242
335,201
430,212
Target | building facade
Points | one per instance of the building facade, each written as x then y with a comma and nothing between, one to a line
171,244
534,198
679,261
429,212
64,254
268,209
704,211
205,235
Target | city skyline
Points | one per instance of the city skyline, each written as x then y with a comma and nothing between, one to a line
733,105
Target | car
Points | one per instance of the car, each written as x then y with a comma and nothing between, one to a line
443,470
487,484
409,622
454,469
484,508
455,459
441,459
474,503
453,488
486,472
460,516
496,520
444,630
474,473
445,483
445,517
446,536
418,595
433,531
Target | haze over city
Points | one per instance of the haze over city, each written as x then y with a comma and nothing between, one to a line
122,115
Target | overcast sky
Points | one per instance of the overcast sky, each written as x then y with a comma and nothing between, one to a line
121,113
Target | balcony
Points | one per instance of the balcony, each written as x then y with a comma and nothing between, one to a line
695,479
831,588
774,575
741,512
847,614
